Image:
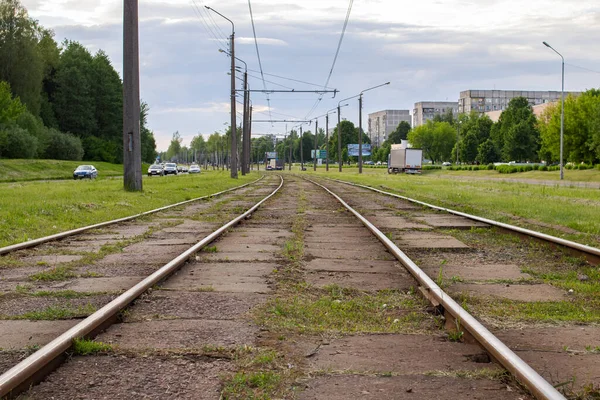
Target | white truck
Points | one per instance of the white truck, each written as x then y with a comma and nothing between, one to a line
404,159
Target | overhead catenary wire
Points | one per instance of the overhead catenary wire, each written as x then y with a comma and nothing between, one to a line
258,54
290,79
337,52
209,30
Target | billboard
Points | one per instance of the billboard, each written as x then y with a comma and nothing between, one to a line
353,150
321,154
271,155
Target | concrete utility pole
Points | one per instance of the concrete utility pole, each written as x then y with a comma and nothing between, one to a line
562,110
249,134
291,147
327,142
316,143
245,128
233,157
360,134
301,153
132,149
339,135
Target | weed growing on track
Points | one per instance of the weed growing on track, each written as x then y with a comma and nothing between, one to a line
347,311
495,374
86,347
61,273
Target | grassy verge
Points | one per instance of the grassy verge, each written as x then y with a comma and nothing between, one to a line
30,170
568,212
34,209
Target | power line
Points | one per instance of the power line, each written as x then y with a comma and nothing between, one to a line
206,25
337,52
290,79
258,54
584,68
273,83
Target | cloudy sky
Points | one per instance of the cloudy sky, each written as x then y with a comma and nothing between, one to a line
428,49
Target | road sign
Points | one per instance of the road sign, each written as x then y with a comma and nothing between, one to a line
271,154
353,150
321,154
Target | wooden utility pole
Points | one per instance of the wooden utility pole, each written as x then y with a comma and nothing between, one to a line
339,136
360,134
132,149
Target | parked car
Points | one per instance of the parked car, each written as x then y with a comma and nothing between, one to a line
170,168
369,163
194,169
446,164
156,169
85,171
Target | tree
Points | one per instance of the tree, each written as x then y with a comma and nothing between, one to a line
74,103
21,64
50,54
581,129
468,147
436,139
146,135
198,145
16,142
505,131
349,136
63,146
400,133
487,152
174,147
10,108
447,116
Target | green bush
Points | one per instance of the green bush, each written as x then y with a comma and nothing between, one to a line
63,146
491,166
543,168
16,142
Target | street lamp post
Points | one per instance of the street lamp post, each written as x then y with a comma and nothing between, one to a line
233,160
327,138
562,110
316,144
457,139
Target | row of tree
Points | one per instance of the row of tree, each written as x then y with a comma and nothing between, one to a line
63,89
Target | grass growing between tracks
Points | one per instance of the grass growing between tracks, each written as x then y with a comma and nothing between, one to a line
86,347
334,310
545,265
52,313
569,212
30,210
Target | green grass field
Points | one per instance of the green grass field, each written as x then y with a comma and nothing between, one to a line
570,212
30,170
34,209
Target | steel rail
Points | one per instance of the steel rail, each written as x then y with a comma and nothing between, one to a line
62,235
505,356
30,367
553,239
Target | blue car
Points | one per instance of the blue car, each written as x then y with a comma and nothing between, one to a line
85,171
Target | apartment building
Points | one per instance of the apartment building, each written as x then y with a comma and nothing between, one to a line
382,123
427,110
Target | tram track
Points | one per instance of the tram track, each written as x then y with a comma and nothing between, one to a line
45,359
307,300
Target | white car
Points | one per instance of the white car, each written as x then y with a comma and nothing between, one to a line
194,169
170,168
155,169
446,164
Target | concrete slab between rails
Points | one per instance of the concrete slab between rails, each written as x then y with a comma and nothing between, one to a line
413,387
127,230
143,254
194,305
370,266
19,334
316,237
427,240
398,353
362,245
235,244
180,334
120,377
19,273
349,253
247,256
481,272
114,284
51,259
559,353
528,293
225,277
450,221
362,281
193,227
392,222
180,241
262,232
